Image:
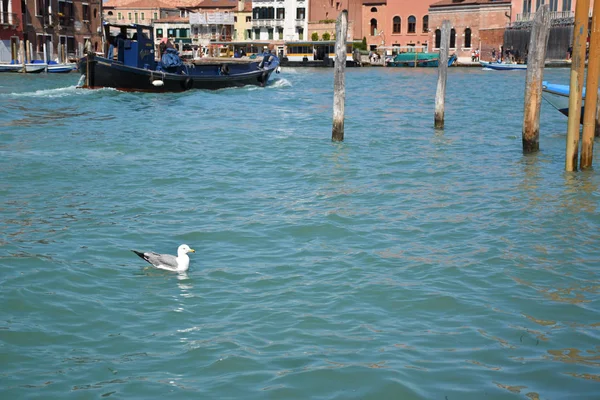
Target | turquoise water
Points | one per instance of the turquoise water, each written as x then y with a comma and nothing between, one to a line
403,263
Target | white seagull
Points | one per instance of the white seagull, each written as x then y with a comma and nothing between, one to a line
181,263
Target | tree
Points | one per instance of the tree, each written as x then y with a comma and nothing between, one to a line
326,36
314,36
364,43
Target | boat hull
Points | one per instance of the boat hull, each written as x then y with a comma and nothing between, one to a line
11,67
106,73
558,97
423,60
35,68
61,68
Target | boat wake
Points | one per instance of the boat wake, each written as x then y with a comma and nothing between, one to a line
56,92
279,83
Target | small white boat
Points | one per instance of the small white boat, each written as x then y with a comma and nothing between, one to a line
503,66
35,68
56,68
4,67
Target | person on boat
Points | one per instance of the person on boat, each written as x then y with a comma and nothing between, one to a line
165,44
493,55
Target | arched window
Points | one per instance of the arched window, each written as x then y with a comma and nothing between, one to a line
412,24
373,27
271,13
110,13
397,25
452,38
426,23
256,13
373,9
438,38
468,37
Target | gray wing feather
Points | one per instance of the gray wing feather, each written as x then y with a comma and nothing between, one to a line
162,259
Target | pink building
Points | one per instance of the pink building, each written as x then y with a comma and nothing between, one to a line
382,22
524,10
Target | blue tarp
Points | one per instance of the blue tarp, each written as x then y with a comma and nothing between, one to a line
171,59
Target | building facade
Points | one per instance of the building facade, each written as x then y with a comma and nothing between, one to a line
280,20
56,24
524,10
475,25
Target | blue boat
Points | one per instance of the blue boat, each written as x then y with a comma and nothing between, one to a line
503,66
421,59
133,67
558,96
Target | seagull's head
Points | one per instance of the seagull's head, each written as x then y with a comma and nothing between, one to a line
184,248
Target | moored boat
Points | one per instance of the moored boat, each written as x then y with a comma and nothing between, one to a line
134,68
558,97
503,66
421,59
5,67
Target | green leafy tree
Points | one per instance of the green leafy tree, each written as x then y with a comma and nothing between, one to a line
314,37
326,36
364,43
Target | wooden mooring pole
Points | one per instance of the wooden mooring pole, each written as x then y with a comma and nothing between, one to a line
533,84
440,96
22,54
339,85
580,33
591,92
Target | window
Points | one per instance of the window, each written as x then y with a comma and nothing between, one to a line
270,31
110,13
170,33
256,13
300,33
527,6
155,15
373,29
452,38
539,3
426,23
234,18
248,34
397,25
280,33
120,16
136,17
468,37
129,15
248,19
300,13
159,33
566,5
85,11
373,9
40,42
438,38
143,16
257,33
412,24
281,13
553,5
39,8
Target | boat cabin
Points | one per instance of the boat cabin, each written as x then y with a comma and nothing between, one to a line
314,50
131,45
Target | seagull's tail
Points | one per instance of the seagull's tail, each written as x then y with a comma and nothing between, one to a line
141,255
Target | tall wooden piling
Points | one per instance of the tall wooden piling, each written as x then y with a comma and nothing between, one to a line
339,85
580,33
591,92
535,73
22,53
440,96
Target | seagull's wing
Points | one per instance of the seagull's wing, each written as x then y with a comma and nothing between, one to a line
164,261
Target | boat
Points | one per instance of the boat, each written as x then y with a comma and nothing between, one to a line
133,66
54,67
558,97
503,66
5,67
33,68
422,59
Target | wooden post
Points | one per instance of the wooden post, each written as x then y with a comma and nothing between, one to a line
22,54
591,92
339,85
440,95
580,33
416,58
533,85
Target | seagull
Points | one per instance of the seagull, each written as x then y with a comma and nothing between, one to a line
181,263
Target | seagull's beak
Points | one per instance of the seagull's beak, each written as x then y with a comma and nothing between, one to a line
192,251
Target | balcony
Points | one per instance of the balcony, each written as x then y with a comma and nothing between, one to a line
300,21
553,15
258,23
9,19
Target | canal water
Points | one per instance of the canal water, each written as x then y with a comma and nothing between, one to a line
403,263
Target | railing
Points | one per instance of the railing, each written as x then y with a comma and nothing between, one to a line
263,22
300,21
553,15
9,19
